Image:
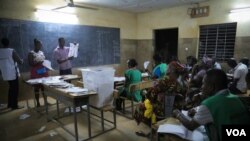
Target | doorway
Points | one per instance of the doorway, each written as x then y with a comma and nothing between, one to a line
166,43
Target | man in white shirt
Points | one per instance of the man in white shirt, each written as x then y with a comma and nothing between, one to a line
239,84
10,72
216,65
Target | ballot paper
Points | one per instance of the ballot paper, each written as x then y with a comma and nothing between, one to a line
76,90
24,116
119,79
47,64
44,80
78,109
146,63
53,133
73,49
145,74
199,134
181,131
42,129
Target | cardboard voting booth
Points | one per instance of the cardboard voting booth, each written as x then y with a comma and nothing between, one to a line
100,80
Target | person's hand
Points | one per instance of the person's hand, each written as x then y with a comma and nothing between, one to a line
21,61
176,113
70,58
191,112
196,98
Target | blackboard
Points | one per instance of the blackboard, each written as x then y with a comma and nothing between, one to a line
97,45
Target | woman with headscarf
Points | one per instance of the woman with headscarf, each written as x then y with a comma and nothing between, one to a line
160,68
197,77
153,106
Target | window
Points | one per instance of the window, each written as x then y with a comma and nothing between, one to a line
217,41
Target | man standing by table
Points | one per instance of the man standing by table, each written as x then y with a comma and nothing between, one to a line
10,72
61,55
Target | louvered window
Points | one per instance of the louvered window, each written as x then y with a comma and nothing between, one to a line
217,41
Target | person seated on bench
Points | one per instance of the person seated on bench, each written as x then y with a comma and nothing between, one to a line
132,76
152,109
240,70
160,68
219,108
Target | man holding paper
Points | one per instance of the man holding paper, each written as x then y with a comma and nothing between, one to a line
62,58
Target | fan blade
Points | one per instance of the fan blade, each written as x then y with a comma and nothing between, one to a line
60,7
86,7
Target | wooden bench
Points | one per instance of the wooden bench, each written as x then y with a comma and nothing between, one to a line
132,88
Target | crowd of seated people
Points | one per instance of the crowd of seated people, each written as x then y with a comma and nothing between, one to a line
185,82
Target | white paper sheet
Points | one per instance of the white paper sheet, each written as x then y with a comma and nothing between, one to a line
24,116
119,79
34,81
47,64
145,74
76,90
44,79
173,129
146,63
53,133
42,129
183,132
73,49
78,109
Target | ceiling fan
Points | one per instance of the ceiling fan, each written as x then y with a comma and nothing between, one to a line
72,4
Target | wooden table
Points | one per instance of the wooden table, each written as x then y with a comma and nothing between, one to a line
69,99
39,81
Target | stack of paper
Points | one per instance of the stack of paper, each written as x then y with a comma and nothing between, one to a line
119,79
145,74
181,131
34,81
76,90
24,116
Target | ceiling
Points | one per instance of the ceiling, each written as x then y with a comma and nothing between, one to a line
137,5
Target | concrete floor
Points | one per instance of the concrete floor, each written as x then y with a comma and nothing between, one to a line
13,128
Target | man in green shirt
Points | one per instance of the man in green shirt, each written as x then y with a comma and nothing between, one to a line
219,108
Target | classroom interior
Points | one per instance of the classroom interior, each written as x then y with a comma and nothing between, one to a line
137,40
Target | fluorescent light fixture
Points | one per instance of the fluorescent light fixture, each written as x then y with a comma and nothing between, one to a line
53,11
239,10
56,16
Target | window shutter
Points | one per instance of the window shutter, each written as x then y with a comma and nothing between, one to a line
217,41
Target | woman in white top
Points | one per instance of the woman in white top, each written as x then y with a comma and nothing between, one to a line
37,70
10,72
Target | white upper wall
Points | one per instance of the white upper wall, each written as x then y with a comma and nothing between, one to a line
189,27
139,26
